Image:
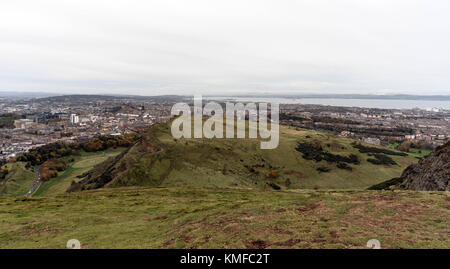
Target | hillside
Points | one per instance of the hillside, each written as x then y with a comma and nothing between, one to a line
139,217
303,159
18,180
432,173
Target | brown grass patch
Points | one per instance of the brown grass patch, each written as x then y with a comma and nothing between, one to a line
161,218
288,243
308,206
255,244
36,231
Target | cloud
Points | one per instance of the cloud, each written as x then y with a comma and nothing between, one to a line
213,47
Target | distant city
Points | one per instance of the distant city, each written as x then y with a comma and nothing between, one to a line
27,122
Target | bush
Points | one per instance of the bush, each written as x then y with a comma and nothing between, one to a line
315,152
387,184
274,186
50,169
48,173
287,182
344,166
404,146
3,173
323,169
364,149
381,159
272,174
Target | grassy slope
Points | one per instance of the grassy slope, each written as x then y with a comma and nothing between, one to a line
81,164
419,152
221,163
222,218
18,181
413,151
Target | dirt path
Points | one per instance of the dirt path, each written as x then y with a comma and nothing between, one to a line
36,183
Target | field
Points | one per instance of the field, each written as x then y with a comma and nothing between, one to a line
223,218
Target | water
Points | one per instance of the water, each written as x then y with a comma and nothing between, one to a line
367,103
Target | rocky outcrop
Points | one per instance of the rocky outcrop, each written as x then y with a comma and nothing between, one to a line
431,173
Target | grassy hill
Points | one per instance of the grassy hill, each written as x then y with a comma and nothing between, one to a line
139,217
161,160
18,181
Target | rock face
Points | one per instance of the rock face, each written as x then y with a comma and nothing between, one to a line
432,173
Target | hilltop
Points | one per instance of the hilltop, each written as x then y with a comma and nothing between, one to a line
303,159
140,217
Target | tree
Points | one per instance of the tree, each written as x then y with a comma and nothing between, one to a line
404,146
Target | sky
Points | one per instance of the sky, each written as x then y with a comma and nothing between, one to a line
225,47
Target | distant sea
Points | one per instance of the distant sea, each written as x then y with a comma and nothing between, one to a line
367,103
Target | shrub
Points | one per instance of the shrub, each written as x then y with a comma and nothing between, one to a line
404,146
272,174
364,149
387,184
381,159
274,186
323,169
315,152
287,183
3,173
344,166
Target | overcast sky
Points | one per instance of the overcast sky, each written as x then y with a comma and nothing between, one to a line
227,46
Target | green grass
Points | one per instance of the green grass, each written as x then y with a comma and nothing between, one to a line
413,151
19,179
419,152
139,217
81,164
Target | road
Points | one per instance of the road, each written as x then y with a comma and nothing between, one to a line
36,183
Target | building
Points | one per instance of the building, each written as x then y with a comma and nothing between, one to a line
23,123
74,119
371,140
